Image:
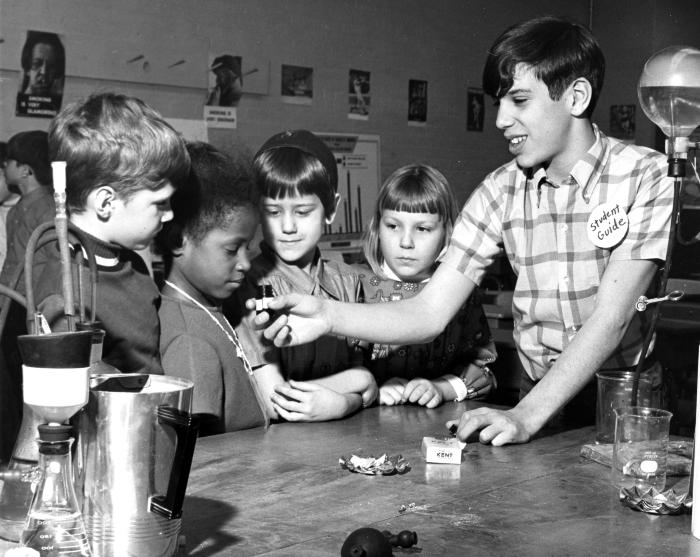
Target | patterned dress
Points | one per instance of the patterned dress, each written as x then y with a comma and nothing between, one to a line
466,338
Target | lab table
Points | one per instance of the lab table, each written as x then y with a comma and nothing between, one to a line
282,492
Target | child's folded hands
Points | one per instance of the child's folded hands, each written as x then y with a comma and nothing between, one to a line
391,392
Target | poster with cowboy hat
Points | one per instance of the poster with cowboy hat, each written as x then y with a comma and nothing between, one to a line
225,91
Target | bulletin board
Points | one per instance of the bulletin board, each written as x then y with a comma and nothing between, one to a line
359,177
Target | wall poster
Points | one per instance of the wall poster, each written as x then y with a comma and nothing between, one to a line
297,84
359,95
417,102
359,177
225,92
43,64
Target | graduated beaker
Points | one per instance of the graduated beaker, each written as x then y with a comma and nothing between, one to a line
615,390
641,447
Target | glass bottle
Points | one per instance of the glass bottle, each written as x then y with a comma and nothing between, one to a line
54,525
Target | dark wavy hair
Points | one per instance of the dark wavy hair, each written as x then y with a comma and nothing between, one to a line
32,148
557,50
217,186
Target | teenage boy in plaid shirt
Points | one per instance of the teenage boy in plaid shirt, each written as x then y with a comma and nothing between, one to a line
584,220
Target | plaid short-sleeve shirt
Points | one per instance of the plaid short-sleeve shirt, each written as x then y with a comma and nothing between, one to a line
543,229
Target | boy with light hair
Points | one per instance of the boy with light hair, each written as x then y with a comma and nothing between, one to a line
124,161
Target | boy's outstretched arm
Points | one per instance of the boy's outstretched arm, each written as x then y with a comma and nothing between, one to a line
623,282
412,321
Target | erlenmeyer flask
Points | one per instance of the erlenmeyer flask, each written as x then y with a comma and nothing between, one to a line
54,526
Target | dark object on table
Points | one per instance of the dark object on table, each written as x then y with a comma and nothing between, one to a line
369,542
405,538
366,542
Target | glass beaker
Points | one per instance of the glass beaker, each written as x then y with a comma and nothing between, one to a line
615,390
54,525
641,447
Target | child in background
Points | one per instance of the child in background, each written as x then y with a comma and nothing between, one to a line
10,410
410,229
8,200
123,164
297,176
28,173
205,249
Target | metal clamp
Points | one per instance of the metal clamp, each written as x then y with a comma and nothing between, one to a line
643,301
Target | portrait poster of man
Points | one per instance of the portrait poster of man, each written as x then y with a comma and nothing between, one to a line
475,110
417,102
43,62
225,91
359,95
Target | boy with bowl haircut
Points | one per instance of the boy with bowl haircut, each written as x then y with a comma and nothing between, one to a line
205,248
574,299
123,164
297,177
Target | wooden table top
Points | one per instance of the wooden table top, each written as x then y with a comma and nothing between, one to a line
281,492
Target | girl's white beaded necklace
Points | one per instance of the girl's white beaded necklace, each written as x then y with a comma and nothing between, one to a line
232,336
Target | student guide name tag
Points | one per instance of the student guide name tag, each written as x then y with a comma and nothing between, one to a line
607,225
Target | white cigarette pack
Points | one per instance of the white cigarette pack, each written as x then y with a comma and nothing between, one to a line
442,450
